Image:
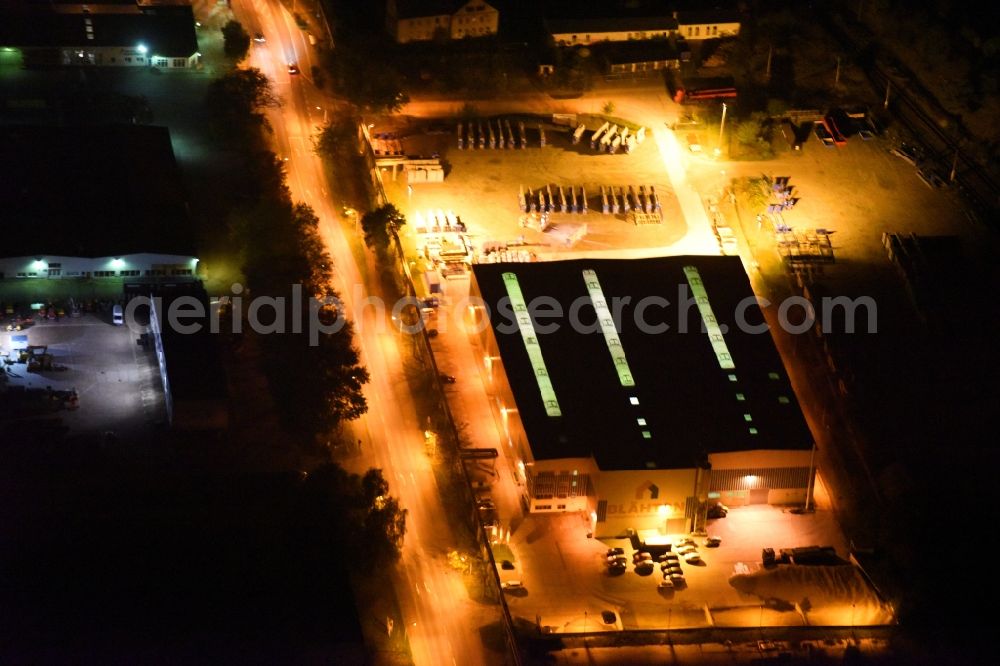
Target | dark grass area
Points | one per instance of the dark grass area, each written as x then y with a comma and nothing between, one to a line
117,565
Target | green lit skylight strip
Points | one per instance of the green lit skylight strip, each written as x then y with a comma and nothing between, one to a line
531,344
608,328
707,316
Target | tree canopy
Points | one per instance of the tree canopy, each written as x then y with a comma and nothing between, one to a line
377,225
236,40
365,77
358,512
235,101
315,378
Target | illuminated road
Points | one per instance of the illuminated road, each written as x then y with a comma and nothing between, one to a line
442,624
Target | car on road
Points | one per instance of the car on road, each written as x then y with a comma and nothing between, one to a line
713,542
117,317
507,565
293,68
694,145
447,379
512,585
258,37
485,504
608,617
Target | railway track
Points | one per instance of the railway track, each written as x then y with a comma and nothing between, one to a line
940,147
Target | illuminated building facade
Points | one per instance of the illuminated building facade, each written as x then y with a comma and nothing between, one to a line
639,391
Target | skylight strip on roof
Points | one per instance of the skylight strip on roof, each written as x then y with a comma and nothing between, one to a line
608,328
531,344
708,317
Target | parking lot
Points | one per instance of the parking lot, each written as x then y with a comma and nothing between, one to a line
117,382
567,584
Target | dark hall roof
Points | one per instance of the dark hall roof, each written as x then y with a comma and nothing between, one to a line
683,405
91,191
165,30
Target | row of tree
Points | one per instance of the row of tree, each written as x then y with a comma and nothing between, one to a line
316,381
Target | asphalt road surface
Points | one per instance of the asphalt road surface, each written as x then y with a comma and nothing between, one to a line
442,624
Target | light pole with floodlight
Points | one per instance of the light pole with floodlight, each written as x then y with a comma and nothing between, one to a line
722,125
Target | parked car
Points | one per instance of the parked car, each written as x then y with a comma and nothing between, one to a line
692,558
507,565
694,145
608,617
293,68
713,542
641,556
617,567
117,316
822,134
666,584
615,551
258,37
512,585
931,178
907,153
767,557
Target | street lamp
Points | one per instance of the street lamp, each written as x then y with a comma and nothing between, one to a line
722,125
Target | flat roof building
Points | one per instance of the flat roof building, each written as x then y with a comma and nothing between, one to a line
656,377
91,191
103,33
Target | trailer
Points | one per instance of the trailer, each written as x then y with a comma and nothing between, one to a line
432,282
596,136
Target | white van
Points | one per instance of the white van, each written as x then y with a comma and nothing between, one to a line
117,316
